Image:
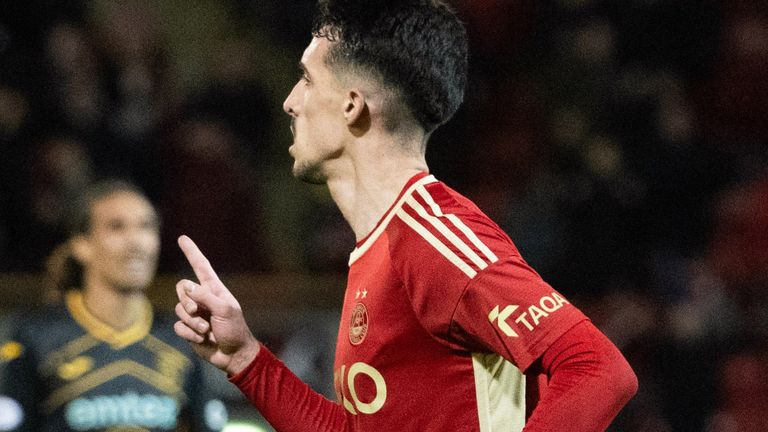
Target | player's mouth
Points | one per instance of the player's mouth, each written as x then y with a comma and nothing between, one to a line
137,262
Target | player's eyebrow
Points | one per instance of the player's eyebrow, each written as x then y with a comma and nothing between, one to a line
303,69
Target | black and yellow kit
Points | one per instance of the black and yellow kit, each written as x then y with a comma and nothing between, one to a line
67,371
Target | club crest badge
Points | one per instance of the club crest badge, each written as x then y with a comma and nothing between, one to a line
358,326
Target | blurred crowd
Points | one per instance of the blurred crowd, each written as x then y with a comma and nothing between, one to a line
622,145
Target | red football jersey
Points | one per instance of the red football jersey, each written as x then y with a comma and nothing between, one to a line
440,316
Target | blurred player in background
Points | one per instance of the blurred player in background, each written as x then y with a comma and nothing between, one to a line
444,326
104,361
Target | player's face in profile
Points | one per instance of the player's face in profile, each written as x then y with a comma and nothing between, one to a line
124,241
316,107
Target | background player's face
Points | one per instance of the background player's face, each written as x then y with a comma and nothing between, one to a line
316,106
123,242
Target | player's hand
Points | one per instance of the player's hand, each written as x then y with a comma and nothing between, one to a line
211,318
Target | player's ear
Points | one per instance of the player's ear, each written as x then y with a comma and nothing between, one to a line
81,249
356,109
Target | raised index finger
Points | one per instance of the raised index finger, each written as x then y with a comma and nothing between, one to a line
200,264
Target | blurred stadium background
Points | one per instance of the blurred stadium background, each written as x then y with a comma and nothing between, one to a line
622,144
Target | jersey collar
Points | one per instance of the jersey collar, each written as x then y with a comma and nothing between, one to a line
363,245
118,339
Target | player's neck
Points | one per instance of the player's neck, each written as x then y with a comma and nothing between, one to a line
372,182
118,310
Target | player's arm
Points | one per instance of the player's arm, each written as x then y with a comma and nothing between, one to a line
211,319
288,403
589,381
205,413
21,384
509,310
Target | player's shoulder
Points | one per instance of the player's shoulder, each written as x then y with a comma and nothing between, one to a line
439,231
162,319
162,330
42,319
42,329
430,221
454,202
439,214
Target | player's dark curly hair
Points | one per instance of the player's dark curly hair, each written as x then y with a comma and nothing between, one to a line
63,271
418,48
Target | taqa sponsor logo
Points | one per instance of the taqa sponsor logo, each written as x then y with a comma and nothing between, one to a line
149,411
529,318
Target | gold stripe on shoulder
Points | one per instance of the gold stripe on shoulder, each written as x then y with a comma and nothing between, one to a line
10,351
159,347
71,349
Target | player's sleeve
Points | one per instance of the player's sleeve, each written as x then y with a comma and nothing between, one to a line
586,375
467,283
21,387
481,296
508,309
285,401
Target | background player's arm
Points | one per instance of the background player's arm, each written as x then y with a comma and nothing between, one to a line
21,385
205,412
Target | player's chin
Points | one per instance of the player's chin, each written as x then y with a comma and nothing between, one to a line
309,173
135,284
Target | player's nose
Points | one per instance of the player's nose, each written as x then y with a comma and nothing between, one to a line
290,102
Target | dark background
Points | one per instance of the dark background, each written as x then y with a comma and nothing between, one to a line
622,144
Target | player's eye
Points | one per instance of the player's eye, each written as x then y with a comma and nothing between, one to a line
303,76
116,225
150,224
